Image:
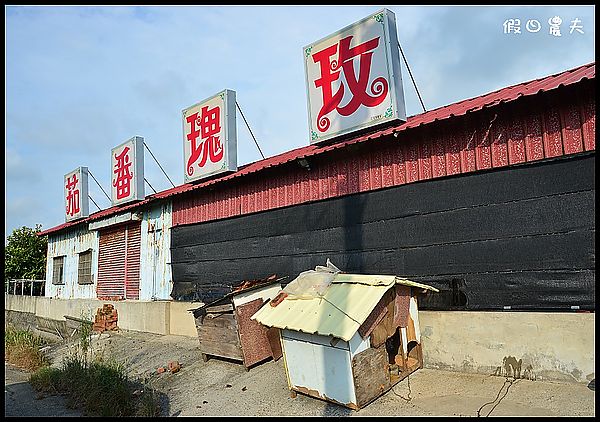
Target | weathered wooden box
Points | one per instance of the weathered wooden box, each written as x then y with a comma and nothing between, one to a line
226,330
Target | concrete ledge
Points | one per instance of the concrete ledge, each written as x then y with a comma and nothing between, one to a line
182,322
158,317
550,345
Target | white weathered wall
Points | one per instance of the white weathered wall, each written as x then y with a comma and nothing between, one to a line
156,281
557,345
71,243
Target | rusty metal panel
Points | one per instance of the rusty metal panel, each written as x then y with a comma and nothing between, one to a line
156,281
253,335
588,113
332,178
438,158
483,152
401,305
452,151
467,153
132,278
499,147
387,167
243,192
314,184
353,175
411,155
364,177
398,166
552,135
280,180
323,181
425,166
516,141
272,189
534,142
571,125
376,182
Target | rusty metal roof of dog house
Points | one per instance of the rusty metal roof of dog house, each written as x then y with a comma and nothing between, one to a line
345,305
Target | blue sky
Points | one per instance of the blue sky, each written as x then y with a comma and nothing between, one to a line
81,80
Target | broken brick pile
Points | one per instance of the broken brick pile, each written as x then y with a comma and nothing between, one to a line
106,319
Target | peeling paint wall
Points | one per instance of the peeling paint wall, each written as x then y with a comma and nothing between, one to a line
156,281
69,244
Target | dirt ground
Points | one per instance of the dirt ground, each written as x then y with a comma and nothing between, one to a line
223,388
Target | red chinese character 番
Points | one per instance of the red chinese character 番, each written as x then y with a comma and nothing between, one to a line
209,145
72,196
330,72
124,176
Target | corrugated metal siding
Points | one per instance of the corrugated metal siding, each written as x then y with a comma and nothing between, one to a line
511,134
493,151
119,262
132,279
69,244
156,281
111,264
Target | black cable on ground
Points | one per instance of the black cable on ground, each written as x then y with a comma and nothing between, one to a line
507,381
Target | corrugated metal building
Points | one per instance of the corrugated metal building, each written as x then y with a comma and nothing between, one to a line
129,253
490,199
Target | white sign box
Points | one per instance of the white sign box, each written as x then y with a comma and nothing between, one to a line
127,171
209,137
75,187
353,78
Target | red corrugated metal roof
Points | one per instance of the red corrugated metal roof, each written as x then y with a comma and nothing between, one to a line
504,95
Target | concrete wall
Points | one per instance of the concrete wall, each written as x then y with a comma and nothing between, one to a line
558,346
159,317
70,243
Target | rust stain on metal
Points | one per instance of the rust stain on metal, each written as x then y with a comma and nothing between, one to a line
401,305
316,394
253,335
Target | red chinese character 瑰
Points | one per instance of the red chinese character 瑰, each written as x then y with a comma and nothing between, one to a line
124,176
72,196
330,72
209,145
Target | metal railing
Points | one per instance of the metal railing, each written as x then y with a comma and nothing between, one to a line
25,287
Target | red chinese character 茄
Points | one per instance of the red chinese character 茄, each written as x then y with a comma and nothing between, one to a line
72,196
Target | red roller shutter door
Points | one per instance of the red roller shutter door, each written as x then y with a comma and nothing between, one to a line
119,263
132,271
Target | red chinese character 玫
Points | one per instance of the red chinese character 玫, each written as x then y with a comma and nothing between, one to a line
209,145
330,72
72,196
124,176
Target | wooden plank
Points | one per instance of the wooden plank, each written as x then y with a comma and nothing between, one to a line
220,308
386,327
370,371
219,336
275,342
